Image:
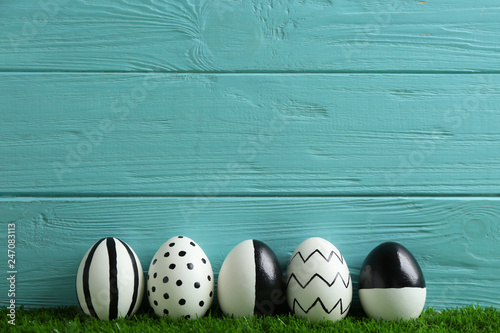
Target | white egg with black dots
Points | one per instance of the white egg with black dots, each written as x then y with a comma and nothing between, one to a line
180,280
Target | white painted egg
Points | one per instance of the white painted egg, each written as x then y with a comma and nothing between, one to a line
110,281
319,284
180,280
250,281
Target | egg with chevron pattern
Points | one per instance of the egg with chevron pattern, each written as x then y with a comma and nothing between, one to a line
319,285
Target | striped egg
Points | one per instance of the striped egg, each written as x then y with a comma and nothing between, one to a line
250,281
110,281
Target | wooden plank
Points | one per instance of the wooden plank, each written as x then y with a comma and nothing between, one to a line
455,240
259,35
231,134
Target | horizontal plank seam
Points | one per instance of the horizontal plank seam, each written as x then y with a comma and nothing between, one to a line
4,71
7,197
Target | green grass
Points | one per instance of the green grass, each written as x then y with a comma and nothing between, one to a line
69,319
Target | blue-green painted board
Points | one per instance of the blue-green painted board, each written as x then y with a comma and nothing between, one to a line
455,240
88,149
232,134
259,35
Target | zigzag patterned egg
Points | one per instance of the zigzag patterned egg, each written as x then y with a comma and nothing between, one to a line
180,280
110,281
391,283
319,284
250,281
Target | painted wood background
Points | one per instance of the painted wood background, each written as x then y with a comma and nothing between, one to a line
357,121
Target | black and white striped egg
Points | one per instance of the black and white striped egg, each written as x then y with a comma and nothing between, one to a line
110,281
180,280
319,285
391,283
250,281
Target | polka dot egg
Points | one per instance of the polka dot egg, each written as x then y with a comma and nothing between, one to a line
180,280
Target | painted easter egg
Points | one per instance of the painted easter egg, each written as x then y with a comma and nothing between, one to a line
319,284
250,281
180,280
391,283
110,281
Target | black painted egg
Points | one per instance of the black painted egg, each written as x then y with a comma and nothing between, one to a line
110,281
250,281
392,284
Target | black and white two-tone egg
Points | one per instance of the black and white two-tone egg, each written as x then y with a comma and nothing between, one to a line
392,284
250,281
110,281
180,280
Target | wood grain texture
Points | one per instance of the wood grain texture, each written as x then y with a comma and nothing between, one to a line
455,240
357,121
193,134
259,35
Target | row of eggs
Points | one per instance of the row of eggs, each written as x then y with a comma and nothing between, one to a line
180,281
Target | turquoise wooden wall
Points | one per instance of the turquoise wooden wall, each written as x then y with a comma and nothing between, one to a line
357,121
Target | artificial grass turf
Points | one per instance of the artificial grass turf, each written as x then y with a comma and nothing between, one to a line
70,319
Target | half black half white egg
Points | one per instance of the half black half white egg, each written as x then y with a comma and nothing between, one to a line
392,284
250,281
